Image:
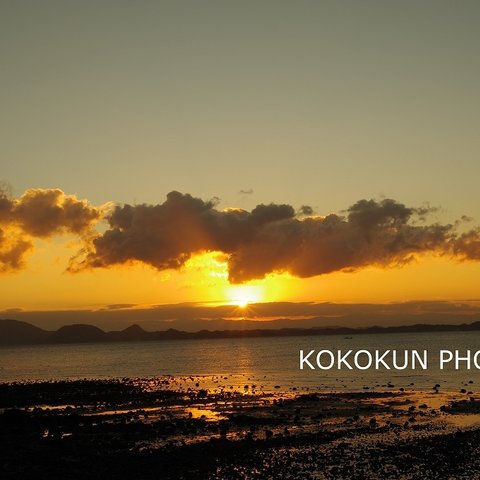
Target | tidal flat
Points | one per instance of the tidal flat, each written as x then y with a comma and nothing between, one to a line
207,427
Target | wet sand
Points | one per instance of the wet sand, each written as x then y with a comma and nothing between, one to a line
214,428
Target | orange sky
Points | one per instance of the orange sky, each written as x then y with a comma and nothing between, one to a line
45,285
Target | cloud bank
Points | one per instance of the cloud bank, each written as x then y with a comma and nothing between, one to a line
194,317
268,239
273,238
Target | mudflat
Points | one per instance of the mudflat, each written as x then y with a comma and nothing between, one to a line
204,427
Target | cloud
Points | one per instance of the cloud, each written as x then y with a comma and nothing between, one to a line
305,210
372,233
120,306
40,213
194,317
271,238
13,249
268,239
248,191
44,212
467,245
167,235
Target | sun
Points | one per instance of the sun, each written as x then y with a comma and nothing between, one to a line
244,295
243,303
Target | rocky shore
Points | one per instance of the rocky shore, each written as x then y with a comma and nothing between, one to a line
182,428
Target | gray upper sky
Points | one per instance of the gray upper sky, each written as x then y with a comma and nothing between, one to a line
305,102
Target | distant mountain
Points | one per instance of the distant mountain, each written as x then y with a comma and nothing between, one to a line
134,333
77,334
13,332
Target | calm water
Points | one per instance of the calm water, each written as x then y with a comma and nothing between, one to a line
266,361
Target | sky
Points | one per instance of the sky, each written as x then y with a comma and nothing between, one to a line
233,105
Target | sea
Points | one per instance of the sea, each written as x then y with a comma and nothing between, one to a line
267,363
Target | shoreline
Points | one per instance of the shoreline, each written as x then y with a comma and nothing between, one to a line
120,425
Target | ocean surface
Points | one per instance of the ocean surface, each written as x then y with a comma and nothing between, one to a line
268,362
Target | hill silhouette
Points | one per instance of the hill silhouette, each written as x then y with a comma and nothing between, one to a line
77,334
14,332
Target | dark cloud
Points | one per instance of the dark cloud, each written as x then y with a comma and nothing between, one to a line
6,206
248,191
271,238
467,245
13,244
168,234
268,239
305,210
44,212
39,213
13,249
372,233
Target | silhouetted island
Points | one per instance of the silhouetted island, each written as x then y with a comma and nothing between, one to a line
14,332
